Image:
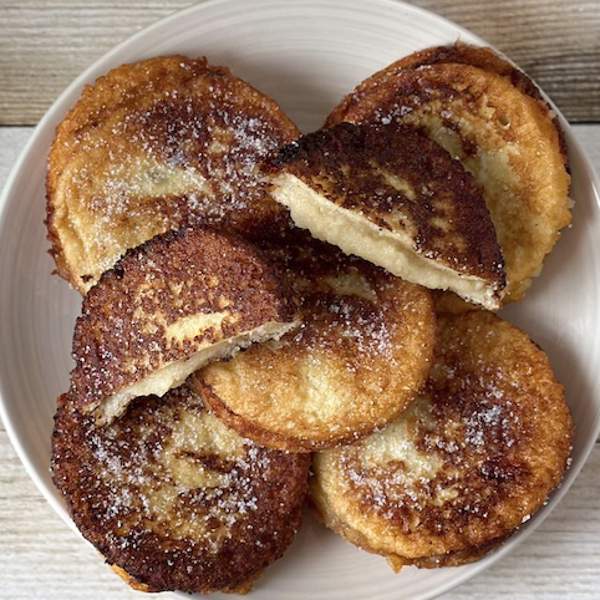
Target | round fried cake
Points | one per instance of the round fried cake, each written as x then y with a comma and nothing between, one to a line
172,498
151,146
166,309
471,460
490,116
356,362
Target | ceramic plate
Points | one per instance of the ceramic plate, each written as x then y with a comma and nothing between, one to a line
307,55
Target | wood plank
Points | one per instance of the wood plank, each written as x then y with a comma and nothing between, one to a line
45,44
41,558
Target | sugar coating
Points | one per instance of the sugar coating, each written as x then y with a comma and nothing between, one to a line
473,457
153,146
173,496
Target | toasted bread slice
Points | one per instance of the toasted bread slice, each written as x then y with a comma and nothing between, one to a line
357,361
389,194
474,457
491,117
167,308
173,498
152,146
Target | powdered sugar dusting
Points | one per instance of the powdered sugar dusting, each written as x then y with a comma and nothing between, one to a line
449,456
179,468
369,332
348,310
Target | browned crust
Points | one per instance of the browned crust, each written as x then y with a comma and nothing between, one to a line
341,163
451,559
132,582
503,432
268,439
482,57
193,271
155,559
241,589
133,90
486,59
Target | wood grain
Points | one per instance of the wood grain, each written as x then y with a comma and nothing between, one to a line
40,558
45,44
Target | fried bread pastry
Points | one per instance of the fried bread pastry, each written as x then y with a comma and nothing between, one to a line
491,117
473,458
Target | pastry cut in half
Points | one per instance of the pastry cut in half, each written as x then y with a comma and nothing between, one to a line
167,308
362,352
389,194
172,498
491,117
473,458
152,146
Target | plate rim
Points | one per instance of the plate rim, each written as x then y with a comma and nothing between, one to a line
61,105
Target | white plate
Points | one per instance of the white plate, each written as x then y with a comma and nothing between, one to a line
306,55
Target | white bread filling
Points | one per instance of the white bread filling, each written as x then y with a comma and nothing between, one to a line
175,373
394,251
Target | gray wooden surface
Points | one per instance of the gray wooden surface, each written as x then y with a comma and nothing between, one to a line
41,559
45,44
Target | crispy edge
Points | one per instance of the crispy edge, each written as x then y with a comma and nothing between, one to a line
397,562
270,439
242,589
277,441
481,57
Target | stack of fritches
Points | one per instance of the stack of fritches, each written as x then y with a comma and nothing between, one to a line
256,302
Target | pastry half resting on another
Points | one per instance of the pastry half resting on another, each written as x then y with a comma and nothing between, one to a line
167,308
392,196
361,354
492,118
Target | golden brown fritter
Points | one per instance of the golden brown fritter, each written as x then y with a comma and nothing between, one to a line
152,146
389,194
172,498
491,117
167,308
356,362
470,461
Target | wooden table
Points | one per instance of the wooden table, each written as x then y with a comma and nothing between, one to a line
44,44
